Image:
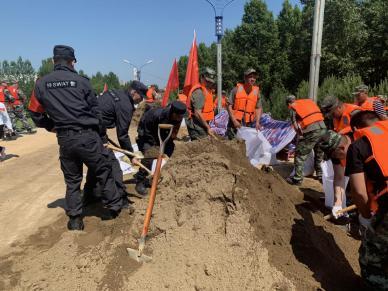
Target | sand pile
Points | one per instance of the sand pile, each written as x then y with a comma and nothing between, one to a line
218,224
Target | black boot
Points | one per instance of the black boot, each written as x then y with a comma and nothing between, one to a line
75,223
141,188
112,214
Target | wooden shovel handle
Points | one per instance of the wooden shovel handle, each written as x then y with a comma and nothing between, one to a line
346,209
109,146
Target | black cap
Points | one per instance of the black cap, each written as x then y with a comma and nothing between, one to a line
178,107
140,88
65,52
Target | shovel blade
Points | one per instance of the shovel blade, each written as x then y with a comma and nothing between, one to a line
134,254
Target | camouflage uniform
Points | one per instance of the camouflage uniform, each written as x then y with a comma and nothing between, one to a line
310,140
17,113
374,253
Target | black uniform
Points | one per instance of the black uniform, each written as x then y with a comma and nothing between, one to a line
148,136
117,108
71,109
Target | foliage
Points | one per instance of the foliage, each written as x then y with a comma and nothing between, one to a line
46,67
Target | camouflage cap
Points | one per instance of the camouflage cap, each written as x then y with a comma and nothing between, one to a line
209,74
249,72
361,89
329,103
330,142
290,98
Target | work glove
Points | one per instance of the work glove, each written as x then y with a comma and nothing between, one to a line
365,224
334,211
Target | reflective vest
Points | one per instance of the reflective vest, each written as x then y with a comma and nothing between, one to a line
223,102
150,95
344,121
182,98
2,95
244,106
368,103
14,92
307,111
377,136
207,110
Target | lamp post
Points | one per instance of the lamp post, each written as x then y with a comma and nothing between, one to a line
316,49
137,69
218,7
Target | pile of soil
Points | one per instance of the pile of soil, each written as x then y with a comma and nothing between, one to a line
141,108
218,223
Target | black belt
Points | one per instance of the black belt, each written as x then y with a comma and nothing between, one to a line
73,131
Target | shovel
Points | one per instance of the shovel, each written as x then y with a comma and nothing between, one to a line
138,254
346,209
131,154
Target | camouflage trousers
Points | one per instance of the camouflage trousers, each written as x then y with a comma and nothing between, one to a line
310,141
17,113
374,254
195,130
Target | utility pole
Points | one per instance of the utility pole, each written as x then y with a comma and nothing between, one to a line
319,11
136,69
218,7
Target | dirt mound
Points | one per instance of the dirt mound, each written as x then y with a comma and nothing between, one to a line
218,223
141,108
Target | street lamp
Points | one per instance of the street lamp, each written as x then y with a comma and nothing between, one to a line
218,7
137,69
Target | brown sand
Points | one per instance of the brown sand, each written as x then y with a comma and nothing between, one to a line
218,224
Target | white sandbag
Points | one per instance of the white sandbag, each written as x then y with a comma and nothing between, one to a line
126,168
164,161
258,149
328,187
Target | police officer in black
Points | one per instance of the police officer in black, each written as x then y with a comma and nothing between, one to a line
65,103
148,138
117,107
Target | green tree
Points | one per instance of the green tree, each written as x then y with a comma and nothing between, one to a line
291,34
375,15
46,67
182,66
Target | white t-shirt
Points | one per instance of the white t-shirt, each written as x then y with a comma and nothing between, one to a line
4,117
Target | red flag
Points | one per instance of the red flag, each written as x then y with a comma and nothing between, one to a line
172,84
105,87
192,72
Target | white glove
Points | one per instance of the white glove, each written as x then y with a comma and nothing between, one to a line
334,211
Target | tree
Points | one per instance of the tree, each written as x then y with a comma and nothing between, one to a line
374,68
289,25
182,66
46,67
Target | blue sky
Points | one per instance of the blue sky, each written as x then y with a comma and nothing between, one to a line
103,33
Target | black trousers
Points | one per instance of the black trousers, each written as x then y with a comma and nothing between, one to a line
78,147
93,189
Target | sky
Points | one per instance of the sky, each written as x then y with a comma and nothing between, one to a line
103,33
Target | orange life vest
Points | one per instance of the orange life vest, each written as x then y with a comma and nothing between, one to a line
377,136
344,121
182,98
245,104
307,111
368,103
14,92
2,95
223,102
207,110
150,95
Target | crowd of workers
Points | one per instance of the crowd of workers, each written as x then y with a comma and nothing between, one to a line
12,111
64,102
